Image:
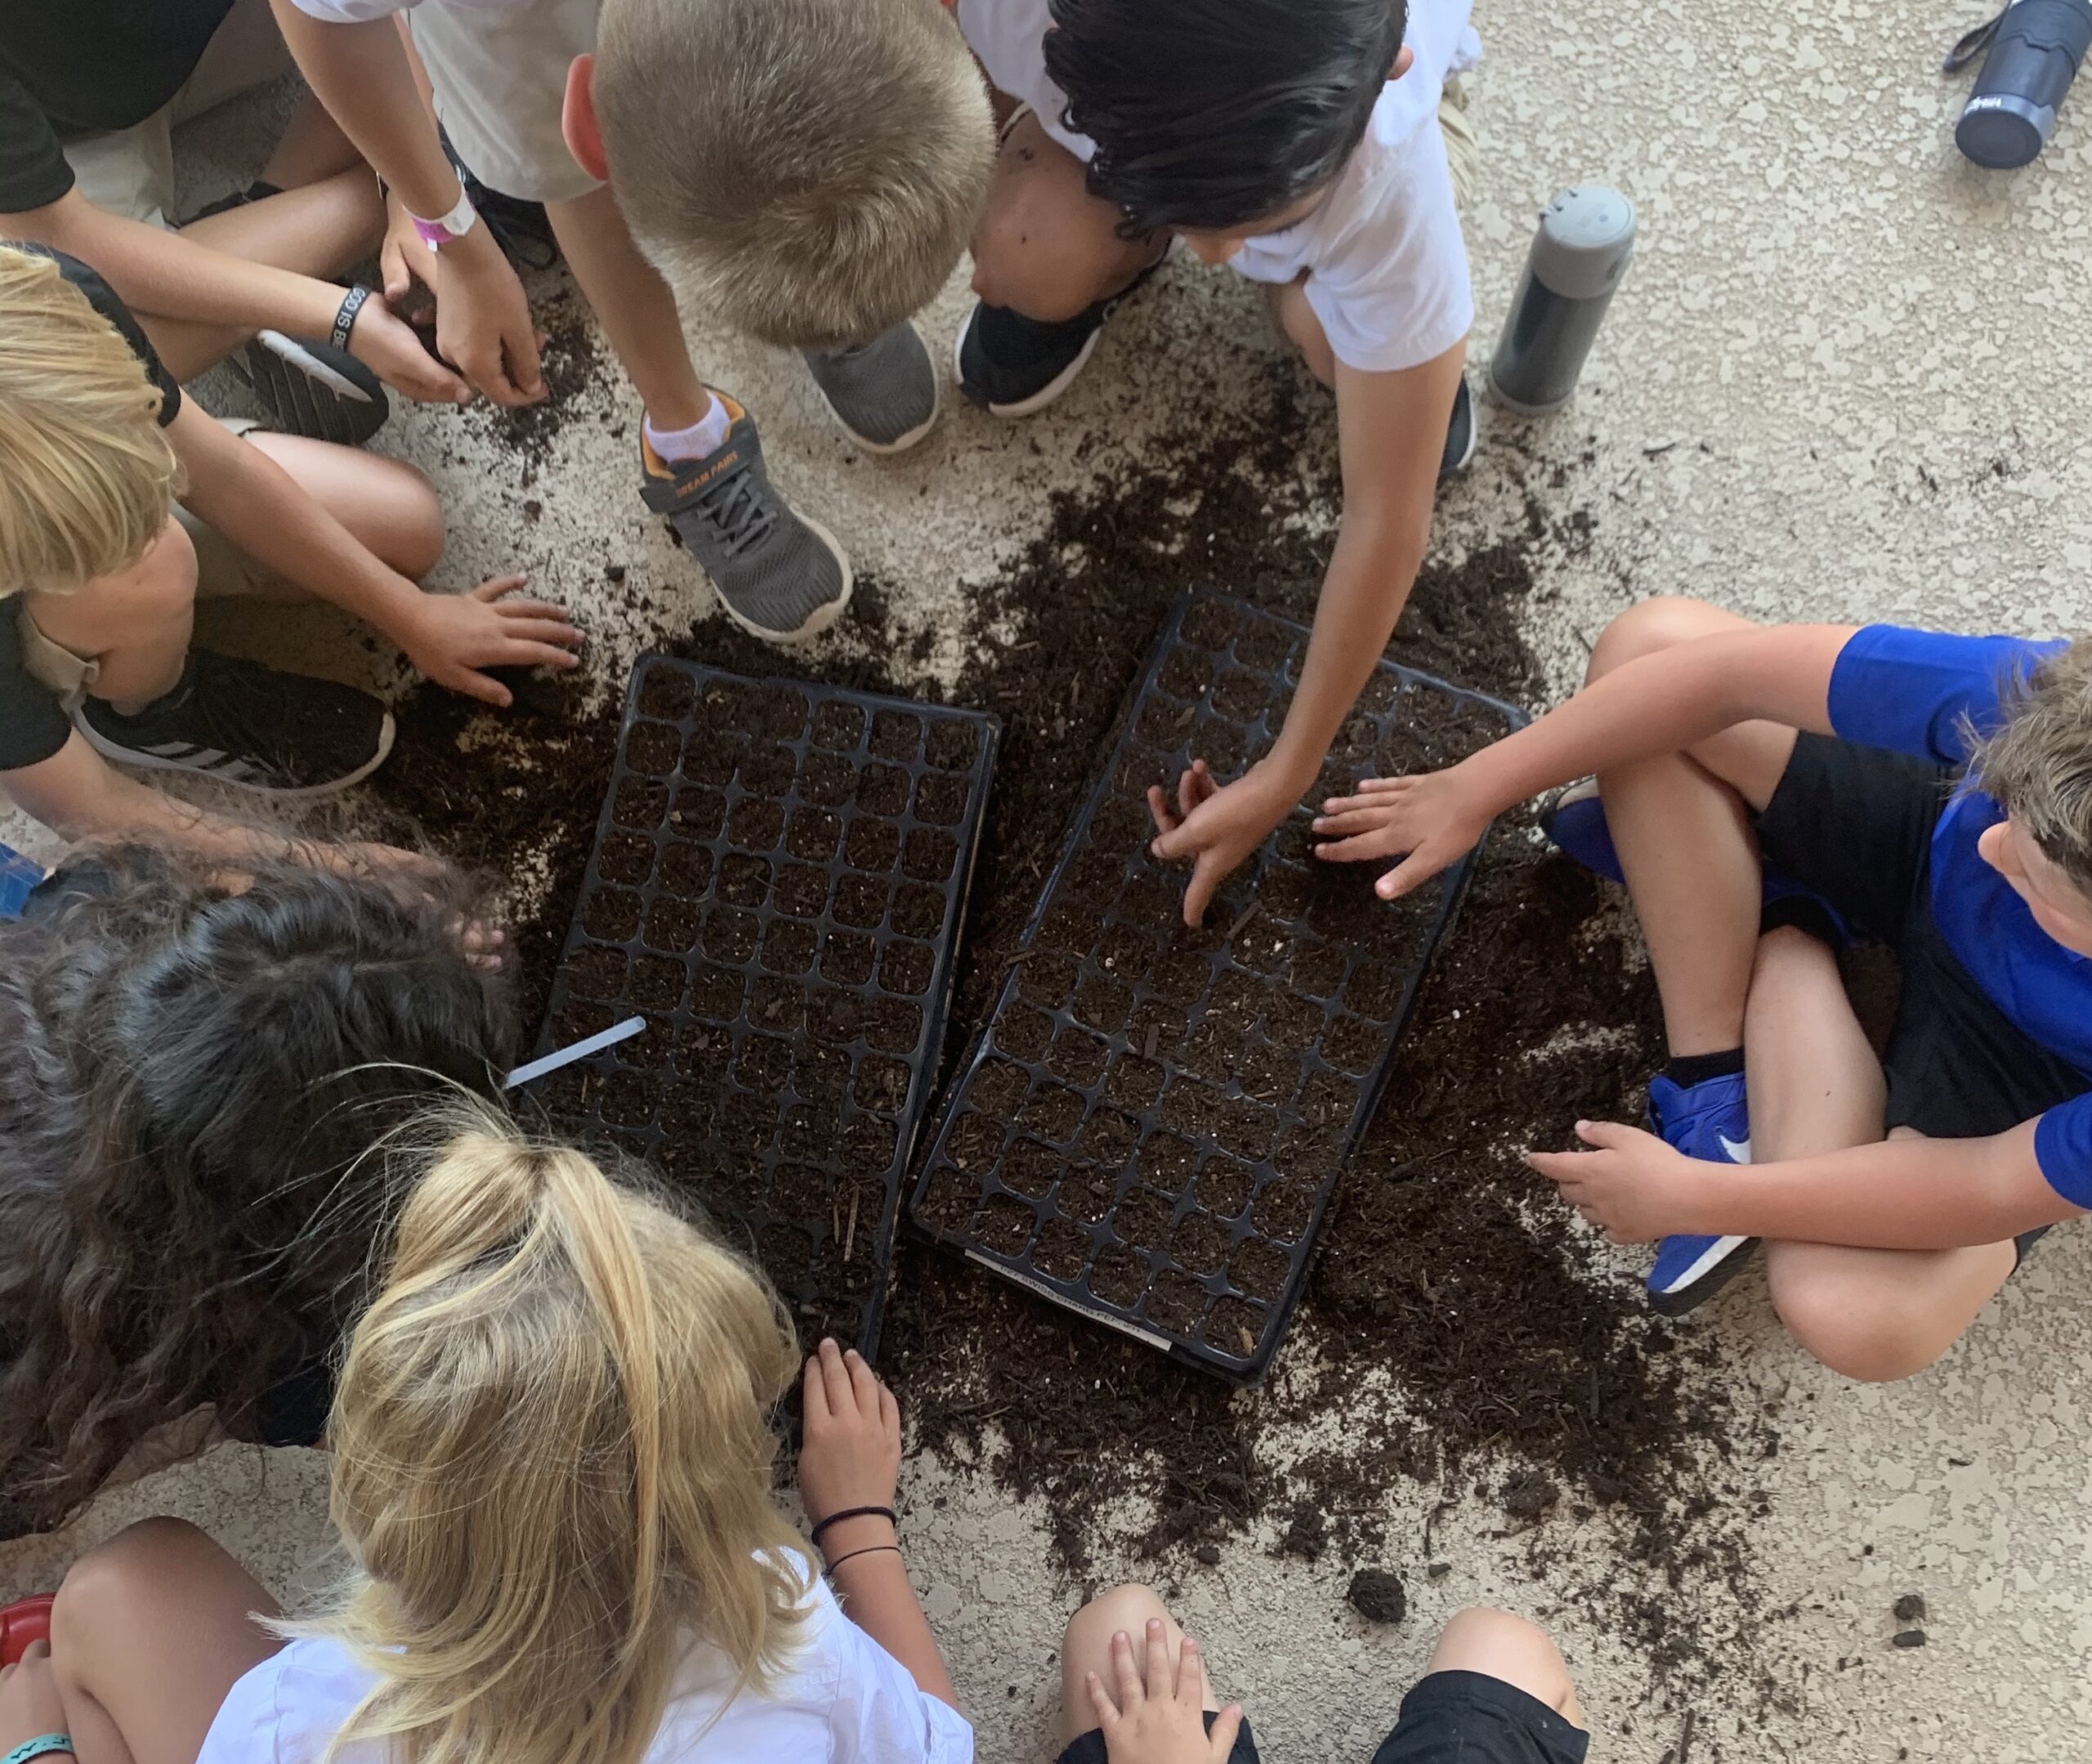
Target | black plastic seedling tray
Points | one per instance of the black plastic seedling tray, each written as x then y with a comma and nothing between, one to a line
1149,1127
779,877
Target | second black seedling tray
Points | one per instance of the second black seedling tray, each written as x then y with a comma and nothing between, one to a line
777,886
1151,1126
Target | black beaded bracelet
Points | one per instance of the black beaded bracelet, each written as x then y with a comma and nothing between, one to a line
886,1513
345,317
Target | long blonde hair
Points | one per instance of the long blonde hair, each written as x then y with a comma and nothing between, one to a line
553,1464
85,471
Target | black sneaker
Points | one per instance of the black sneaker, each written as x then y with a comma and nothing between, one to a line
1460,436
282,735
1012,366
519,227
308,387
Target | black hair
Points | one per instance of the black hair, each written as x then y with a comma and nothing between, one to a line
1218,114
191,1074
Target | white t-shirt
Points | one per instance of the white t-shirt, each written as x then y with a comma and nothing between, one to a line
844,1700
1387,267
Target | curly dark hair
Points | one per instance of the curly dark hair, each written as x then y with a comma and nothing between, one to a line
191,1074
1213,114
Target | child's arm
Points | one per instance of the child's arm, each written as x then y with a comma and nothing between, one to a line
851,1458
1907,1193
1392,437
160,273
245,495
360,72
1656,703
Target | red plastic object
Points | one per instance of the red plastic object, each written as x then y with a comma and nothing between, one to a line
24,1622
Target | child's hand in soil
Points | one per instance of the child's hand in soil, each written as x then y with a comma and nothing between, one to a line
451,637
1632,1185
1430,821
851,1456
1217,825
1162,1721
29,1705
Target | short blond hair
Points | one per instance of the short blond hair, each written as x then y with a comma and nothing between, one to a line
2038,765
86,470
809,171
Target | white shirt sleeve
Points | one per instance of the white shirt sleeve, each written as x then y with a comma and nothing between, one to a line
1391,286
879,1715
350,11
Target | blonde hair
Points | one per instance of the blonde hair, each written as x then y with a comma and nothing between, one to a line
85,471
811,170
553,1464
2038,765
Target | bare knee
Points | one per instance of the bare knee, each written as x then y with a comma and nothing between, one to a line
1870,1344
409,531
1498,1645
1127,1608
111,1576
1655,624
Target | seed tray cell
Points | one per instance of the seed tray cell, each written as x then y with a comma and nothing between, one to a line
1149,1127
777,886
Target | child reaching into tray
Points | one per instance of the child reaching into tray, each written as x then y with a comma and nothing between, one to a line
1768,793
1302,143
552,1481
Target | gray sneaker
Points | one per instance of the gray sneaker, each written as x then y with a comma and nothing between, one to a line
779,576
884,393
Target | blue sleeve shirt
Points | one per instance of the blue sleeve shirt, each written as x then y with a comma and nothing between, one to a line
1930,694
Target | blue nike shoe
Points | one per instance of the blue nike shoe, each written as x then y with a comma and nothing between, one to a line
1575,823
1711,1120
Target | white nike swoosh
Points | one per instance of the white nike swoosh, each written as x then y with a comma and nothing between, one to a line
1738,1154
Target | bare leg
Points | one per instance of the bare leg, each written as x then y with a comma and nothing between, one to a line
1498,1645
1289,310
1045,246
318,229
1086,1648
151,1630
634,305
137,624
1680,823
312,148
391,508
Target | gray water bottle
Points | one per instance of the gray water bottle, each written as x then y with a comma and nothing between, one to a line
1586,237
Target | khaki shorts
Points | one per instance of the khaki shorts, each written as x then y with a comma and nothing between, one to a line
222,570
130,171
499,77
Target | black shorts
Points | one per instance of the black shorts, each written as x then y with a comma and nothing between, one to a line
1448,1718
1855,825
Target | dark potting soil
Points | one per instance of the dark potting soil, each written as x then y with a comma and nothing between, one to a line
1440,1262
1377,1595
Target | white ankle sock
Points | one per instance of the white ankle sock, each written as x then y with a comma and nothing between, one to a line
707,435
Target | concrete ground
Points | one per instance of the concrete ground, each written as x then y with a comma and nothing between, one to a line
1838,381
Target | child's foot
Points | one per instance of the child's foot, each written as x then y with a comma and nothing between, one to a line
237,722
308,387
1460,435
1711,1120
1012,366
884,393
1575,823
779,576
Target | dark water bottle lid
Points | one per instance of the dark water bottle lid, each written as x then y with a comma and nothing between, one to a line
1586,237
2002,131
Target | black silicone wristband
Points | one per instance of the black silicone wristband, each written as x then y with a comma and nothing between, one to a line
870,1549
345,316
886,1513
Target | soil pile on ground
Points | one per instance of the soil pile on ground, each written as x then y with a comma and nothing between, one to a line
1441,1264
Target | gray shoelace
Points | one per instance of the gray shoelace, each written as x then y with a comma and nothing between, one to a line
739,513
